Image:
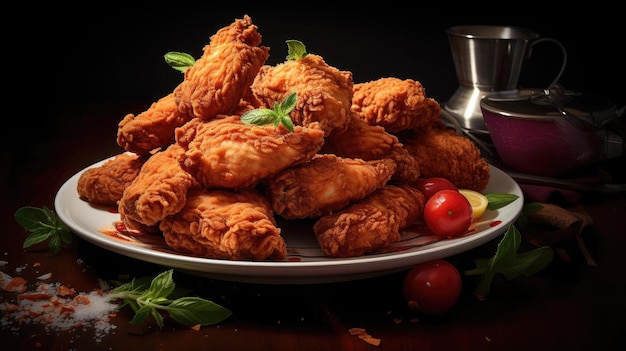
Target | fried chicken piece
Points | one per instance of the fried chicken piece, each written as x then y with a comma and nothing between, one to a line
372,142
153,129
160,189
225,224
226,153
219,79
324,93
326,184
394,103
441,152
371,224
106,183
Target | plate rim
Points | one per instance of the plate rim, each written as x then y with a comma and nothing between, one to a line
287,272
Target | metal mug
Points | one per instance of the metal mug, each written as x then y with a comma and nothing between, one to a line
488,59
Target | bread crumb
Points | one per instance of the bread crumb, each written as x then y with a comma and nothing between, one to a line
356,331
369,339
362,334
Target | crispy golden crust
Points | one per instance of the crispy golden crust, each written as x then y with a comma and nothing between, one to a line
370,224
326,184
350,163
160,189
106,184
372,142
324,92
152,129
441,152
220,78
394,103
226,153
225,224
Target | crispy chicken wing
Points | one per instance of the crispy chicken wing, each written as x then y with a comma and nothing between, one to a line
324,93
225,224
372,142
326,184
219,79
160,189
226,153
370,224
441,152
153,129
106,183
394,103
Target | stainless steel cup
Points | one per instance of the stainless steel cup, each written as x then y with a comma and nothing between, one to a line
488,59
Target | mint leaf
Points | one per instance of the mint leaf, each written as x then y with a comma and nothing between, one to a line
498,200
140,315
259,116
529,263
179,61
529,208
507,249
295,49
194,310
162,285
508,262
151,302
279,115
43,224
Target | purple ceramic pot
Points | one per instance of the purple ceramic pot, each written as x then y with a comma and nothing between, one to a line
536,133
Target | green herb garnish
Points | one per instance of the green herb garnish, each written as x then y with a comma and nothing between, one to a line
508,262
179,61
144,302
279,115
498,200
295,49
529,208
43,225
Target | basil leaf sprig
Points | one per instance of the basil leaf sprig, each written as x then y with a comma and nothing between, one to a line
43,224
295,50
498,200
529,208
185,310
508,262
179,61
279,115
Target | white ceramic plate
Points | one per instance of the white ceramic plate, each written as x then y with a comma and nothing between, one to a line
305,263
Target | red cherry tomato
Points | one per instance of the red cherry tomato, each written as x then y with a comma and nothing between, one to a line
448,213
429,186
432,287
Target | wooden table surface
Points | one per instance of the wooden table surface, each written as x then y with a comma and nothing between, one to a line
568,306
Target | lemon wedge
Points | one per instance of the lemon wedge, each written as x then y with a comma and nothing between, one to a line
478,201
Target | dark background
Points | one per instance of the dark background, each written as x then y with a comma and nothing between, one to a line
60,65
108,56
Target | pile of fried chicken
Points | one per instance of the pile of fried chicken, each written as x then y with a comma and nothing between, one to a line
213,186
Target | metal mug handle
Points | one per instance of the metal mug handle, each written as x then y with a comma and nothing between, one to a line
560,45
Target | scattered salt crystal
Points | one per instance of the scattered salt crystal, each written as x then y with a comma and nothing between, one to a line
3,263
84,310
104,285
